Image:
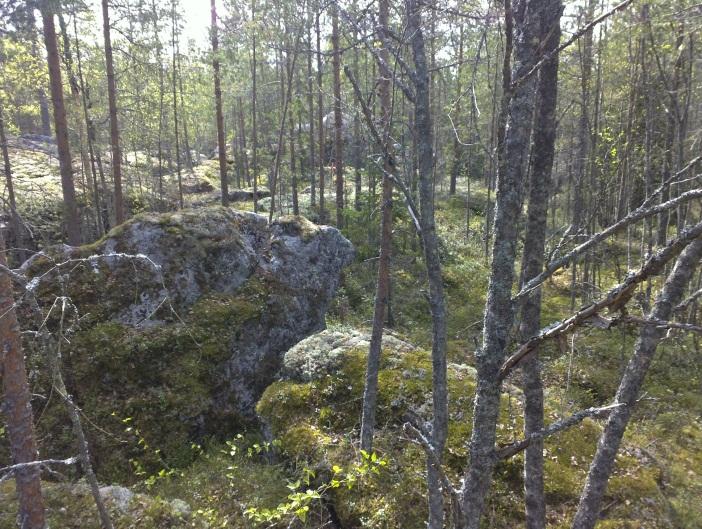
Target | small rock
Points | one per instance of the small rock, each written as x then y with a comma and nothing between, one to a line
119,496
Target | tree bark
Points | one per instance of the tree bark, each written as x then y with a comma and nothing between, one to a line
630,386
544,138
370,393
17,408
499,316
338,124
222,148
114,126
320,117
437,305
70,207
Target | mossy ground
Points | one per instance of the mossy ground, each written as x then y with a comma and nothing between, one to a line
657,482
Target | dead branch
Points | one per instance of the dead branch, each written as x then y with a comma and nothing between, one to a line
615,299
508,451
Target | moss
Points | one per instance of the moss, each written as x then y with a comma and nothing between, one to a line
283,402
162,380
298,226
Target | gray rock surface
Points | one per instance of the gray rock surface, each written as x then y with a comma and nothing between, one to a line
153,271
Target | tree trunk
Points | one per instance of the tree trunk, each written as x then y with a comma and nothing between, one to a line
630,387
457,166
338,124
254,131
114,127
15,221
17,407
499,316
174,78
370,393
222,148
583,153
320,117
542,155
70,208
310,105
437,305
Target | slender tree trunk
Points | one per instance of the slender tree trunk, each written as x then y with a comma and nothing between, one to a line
44,113
95,162
498,310
242,142
174,78
221,145
370,393
357,148
583,153
437,305
17,408
630,387
53,352
457,147
310,105
15,221
161,94
293,169
114,127
254,95
320,117
544,139
338,119
184,115
70,208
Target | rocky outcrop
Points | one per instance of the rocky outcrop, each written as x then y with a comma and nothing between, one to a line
184,317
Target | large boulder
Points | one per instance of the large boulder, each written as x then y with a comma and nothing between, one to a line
181,319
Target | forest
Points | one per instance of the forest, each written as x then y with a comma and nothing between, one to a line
351,264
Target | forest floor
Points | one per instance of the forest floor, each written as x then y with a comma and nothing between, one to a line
658,481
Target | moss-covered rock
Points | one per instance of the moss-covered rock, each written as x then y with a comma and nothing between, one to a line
177,323
315,412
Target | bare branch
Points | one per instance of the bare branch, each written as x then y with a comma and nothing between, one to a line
505,452
417,435
384,66
548,56
643,211
414,212
43,463
615,299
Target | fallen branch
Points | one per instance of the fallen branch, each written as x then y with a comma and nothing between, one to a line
9,471
688,301
518,446
615,299
665,324
646,209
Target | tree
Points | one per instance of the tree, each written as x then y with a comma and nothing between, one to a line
17,407
114,126
430,245
370,392
630,386
338,120
498,314
221,145
70,207
542,155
